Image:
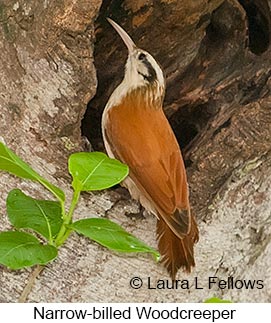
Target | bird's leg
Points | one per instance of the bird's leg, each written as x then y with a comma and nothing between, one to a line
123,193
125,196
138,215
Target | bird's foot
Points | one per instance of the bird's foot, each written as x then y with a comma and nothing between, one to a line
137,215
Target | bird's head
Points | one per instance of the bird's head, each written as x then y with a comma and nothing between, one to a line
141,68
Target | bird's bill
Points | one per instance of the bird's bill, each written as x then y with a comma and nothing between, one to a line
124,36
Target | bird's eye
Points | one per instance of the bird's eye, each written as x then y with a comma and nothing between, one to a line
141,56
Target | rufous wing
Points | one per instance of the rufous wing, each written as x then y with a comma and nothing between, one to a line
144,140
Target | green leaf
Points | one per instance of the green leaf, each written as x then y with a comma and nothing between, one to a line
216,300
95,171
20,249
42,216
11,163
111,235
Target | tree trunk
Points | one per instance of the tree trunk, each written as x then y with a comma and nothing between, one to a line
216,59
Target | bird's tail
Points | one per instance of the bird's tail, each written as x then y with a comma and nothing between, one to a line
176,252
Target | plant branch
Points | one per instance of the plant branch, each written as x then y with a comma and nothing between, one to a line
64,231
31,281
74,202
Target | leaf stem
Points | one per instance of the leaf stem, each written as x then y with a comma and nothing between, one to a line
64,231
75,198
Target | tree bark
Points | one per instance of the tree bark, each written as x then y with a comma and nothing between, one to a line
216,59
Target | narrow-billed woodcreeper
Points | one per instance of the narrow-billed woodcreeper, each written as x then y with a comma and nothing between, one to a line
136,131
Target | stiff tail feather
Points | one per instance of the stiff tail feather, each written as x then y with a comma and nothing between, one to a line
176,252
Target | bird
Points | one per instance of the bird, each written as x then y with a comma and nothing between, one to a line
136,131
